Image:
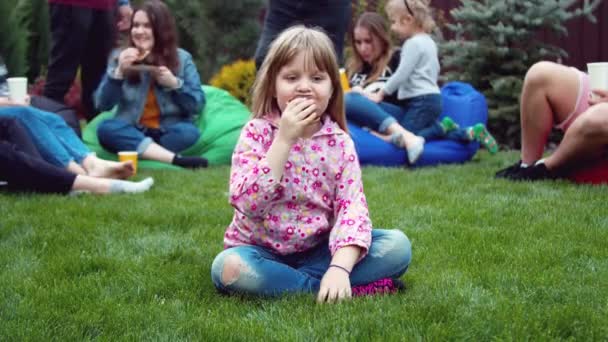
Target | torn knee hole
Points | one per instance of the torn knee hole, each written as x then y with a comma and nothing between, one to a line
232,269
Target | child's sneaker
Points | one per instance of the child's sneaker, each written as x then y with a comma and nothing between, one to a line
480,133
378,287
447,124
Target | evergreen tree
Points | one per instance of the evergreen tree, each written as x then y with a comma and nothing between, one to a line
495,43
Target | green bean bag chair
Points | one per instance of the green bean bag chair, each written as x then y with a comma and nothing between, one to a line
220,124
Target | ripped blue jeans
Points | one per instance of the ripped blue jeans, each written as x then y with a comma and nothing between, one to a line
263,273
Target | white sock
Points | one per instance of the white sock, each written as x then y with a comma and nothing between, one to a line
540,161
415,151
119,186
523,165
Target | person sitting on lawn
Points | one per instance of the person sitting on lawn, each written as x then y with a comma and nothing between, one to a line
402,103
156,89
59,145
23,169
558,96
301,221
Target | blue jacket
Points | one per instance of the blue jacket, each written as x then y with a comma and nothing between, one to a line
176,105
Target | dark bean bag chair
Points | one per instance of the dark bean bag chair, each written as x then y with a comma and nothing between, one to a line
465,105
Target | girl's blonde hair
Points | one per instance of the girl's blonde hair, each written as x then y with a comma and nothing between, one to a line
318,53
423,14
376,25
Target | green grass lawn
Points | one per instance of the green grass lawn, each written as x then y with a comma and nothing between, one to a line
491,259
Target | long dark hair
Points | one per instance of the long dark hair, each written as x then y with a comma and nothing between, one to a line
162,22
376,25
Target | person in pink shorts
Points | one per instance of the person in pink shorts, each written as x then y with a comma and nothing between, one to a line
557,96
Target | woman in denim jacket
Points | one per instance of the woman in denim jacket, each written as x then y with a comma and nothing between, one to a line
156,89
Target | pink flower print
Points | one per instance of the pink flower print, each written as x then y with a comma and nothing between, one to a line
292,206
341,187
324,174
303,235
322,159
338,175
309,220
297,148
290,230
350,181
255,187
342,144
293,198
266,170
318,218
266,131
285,238
256,170
325,198
288,165
350,222
278,245
317,185
274,218
244,161
296,180
328,130
351,158
254,207
331,142
315,172
311,206
251,124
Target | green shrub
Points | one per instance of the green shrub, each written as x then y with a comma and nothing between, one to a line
217,32
237,78
13,38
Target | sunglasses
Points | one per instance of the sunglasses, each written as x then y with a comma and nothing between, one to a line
409,9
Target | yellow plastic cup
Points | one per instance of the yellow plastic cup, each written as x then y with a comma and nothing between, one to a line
344,80
129,155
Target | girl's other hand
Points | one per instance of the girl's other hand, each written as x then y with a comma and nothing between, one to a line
335,286
600,96
165,77
297,116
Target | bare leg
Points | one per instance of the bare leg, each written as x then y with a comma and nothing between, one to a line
159,153
96,167
91,184
548,96
75,168
586,138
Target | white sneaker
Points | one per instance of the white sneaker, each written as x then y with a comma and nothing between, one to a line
415,151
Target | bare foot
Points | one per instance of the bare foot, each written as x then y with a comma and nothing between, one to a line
101,168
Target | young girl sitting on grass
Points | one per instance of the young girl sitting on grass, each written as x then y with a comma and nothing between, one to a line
301,221
415,81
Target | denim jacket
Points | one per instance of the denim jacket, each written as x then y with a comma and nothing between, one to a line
176,105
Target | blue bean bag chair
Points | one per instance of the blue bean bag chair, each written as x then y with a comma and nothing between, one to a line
465,105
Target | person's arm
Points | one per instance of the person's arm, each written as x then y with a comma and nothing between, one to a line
109,91
186,87
350,238
410,56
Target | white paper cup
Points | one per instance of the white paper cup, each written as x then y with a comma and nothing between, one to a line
17,88
598,76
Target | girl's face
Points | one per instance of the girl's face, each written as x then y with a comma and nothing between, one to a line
141,32
367,45
298,79
403,25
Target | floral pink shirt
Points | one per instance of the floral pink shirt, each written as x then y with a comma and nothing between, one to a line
320,196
